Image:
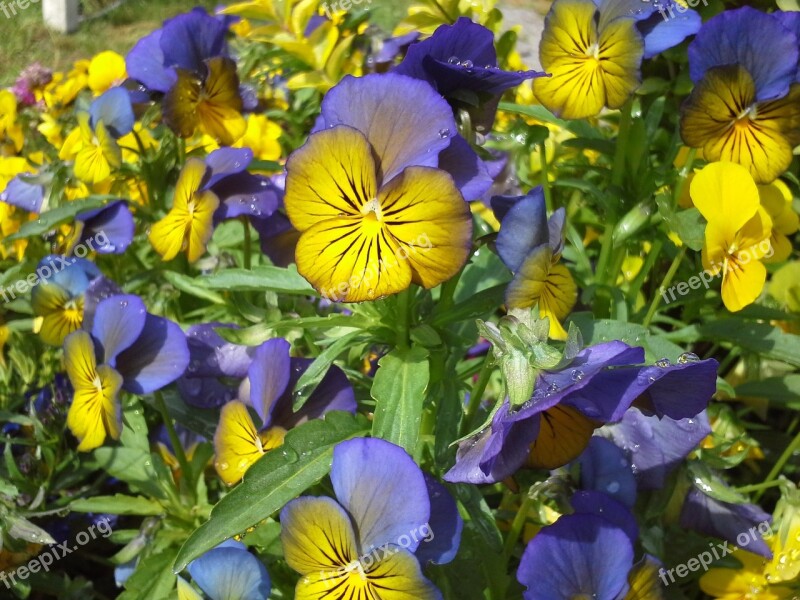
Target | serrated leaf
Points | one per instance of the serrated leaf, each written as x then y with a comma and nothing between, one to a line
278,477
399,392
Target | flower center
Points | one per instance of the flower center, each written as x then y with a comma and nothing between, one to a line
372,210
593,51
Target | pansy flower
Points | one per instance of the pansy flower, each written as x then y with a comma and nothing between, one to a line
58,299
745,107
373,211
122,348
227,572
588,554
592,51
460,62
531,246
556,424
93,144
188,61
107,70
748,581
206,194
738,232
267,388
11,134
366,542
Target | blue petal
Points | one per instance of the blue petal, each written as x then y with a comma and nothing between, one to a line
683,390
384,491
466,168
118,323
230,572
227,161
591,502
385,108
580,554
111,228
157,358
145,63
605,468
726,521
656,446
191,38
277,237
246,194
269,375
114,110
334,392
523,227
72,274
791,20
439,543
99,289
662,33
24,195
753,39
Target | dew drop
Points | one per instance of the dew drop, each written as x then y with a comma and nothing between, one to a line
453,60
663,363
576,375
467,64
443,133
688,357
613,487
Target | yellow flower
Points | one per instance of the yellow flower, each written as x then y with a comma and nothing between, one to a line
95,413
591,65
238,444
261,137
785,286
129,143
362,239
51,129
746,583
65,87
722,117
106,70
11,134
4,335
96,153
738,232
189,225
776,198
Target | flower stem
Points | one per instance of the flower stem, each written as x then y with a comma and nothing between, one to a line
757,487
618,171
404,317
248,242
776,470
673,268
517,525
548,195
476,394
177,447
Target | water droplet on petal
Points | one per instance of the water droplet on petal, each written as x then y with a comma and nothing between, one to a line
453,60
663,363
688,357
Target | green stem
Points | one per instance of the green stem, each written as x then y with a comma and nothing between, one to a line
248,242
548,195
447,292
404,317
682,175
516,526
606,245
177,447
776,470
476,394
673,268
757,487
618,172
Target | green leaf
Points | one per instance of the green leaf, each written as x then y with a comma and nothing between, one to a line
712,484
131,465
690,226
319,368
260,279
153,579
540,113
278,477
399,392
50,219
783,391
759,338
193,287
118,504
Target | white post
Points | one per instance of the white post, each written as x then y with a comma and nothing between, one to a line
61,15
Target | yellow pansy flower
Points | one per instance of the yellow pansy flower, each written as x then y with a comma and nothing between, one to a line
776,198
261,137
591,63
106,70
11,135
738,232
95,152
748,582
189,225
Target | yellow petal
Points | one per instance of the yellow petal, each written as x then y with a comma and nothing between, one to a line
563,434
742,283
186,591
106,70
236,443
317,536
332,175
430,222
725,192
644,582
